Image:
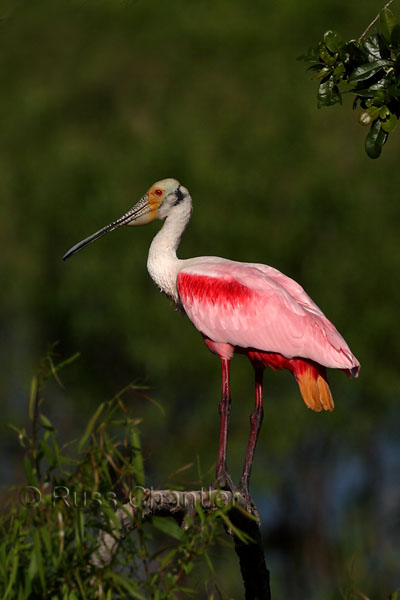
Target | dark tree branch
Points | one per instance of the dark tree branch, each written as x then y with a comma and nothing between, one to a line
177,504
255,574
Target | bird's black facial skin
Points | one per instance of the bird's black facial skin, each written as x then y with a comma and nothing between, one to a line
179,196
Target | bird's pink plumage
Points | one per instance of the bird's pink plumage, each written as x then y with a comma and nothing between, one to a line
256,306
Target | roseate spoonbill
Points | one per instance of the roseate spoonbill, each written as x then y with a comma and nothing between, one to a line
248,308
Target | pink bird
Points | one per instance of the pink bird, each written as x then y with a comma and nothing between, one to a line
247,308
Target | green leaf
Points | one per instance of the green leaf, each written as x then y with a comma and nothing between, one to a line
30,472
368,70
168,558
387,22
48,453
311,56
242,535
66,362
390,123
128,585
33,397
208,561
326,56
339,71
369,93
137,458
323,73
369,116
39,559
334,41
45,534
375,140
187,567
384,112
46,423
397,66
21,434
355,52
90,427
328,93
169,527
13,574
80,584
382,84
372,46
384,47
395,37
36,563
200,512
318,67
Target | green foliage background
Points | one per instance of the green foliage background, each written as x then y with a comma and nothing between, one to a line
101,98
368,68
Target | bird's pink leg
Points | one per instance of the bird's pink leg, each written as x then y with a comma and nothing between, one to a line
223,478
255,426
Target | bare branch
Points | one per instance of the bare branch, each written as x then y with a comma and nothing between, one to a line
362,36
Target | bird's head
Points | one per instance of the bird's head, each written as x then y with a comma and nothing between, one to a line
156,203
160,199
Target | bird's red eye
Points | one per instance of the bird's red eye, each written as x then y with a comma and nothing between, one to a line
158,192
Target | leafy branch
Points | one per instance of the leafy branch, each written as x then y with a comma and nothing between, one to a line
65,532
368,68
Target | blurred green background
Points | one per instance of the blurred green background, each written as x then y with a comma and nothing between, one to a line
101,98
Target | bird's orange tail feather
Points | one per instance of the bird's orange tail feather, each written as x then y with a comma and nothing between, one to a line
313,386
310,376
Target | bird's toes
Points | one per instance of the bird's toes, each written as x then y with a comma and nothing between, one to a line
224,482
248,502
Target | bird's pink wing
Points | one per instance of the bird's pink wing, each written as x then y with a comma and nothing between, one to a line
255,306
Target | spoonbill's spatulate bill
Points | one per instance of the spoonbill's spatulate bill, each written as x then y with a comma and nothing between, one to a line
248,308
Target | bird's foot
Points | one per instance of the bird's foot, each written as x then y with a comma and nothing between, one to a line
244,491
224,482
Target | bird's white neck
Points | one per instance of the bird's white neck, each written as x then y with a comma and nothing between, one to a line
162,262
